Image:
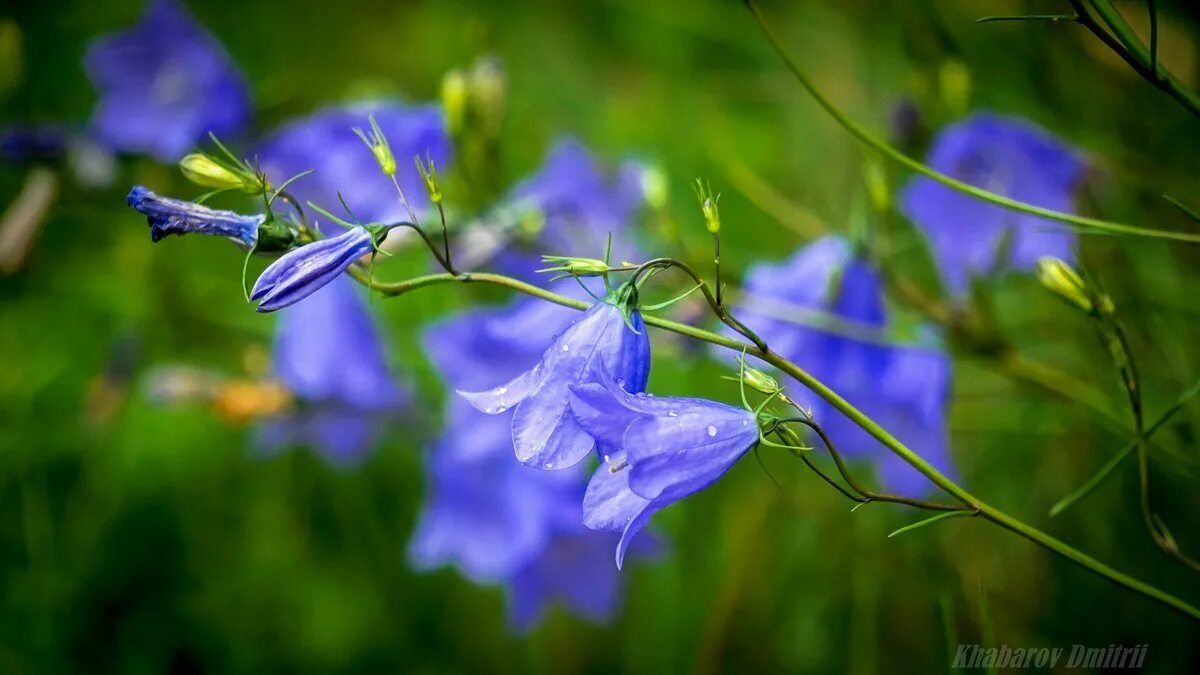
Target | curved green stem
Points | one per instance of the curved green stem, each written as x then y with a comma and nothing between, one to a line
867,138
816,386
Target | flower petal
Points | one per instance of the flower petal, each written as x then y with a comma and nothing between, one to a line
609,504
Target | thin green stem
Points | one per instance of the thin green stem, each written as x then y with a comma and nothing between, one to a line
985,510
867,138
1106,470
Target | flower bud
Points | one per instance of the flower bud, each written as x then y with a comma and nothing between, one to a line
377,143
487,88
759,381
454,101
580,267
1062,280
203,170
708,206
654,187
429,176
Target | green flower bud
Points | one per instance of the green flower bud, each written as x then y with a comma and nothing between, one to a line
759,381
654,187
378,145
708,206
1061,279
454,101
580,267
203,170
487,90
429,176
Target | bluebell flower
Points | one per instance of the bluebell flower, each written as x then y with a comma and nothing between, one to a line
579,206
300,272
168,216
1009,157
544,432
492,518
326,142
658,451
903,387
330,356
164,84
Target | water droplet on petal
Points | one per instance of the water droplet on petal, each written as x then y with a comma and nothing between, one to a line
549,465
566,347
672,413
712,431
745,423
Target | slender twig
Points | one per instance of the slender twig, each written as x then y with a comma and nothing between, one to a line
867,138
1153,37
1106,470
449,264
802,376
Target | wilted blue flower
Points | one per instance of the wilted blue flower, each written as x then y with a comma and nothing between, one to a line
302,271
578,205
168,216
164,84
329,354
904,388
544,432
969,237
326,142
494,519
659,450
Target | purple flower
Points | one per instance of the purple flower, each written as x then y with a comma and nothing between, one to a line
302,271
164,84
1006,156
326,142
330,355
34,142
904,388
544,432
168,216
660,450
580,206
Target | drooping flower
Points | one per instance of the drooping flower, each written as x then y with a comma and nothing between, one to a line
326,142
576,206
164,84
659,450
330,356
903,387
492,518
302,271
970,237
544,432
167,216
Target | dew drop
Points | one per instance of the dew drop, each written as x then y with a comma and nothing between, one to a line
712,431
549,465
672,413
566,347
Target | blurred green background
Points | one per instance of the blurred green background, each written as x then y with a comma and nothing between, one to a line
138,539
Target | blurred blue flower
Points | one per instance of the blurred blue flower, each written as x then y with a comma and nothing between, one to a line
163,85
544,432
168,216
330,355
904,388
34,142
494,519
969,237
325,142
298,273
658,451
579,206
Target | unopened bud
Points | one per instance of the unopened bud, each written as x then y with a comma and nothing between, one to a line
429,176
487,90
580,267
654,187
454,101
759,381
377,143
1061,279
877,186
708,206
203,170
